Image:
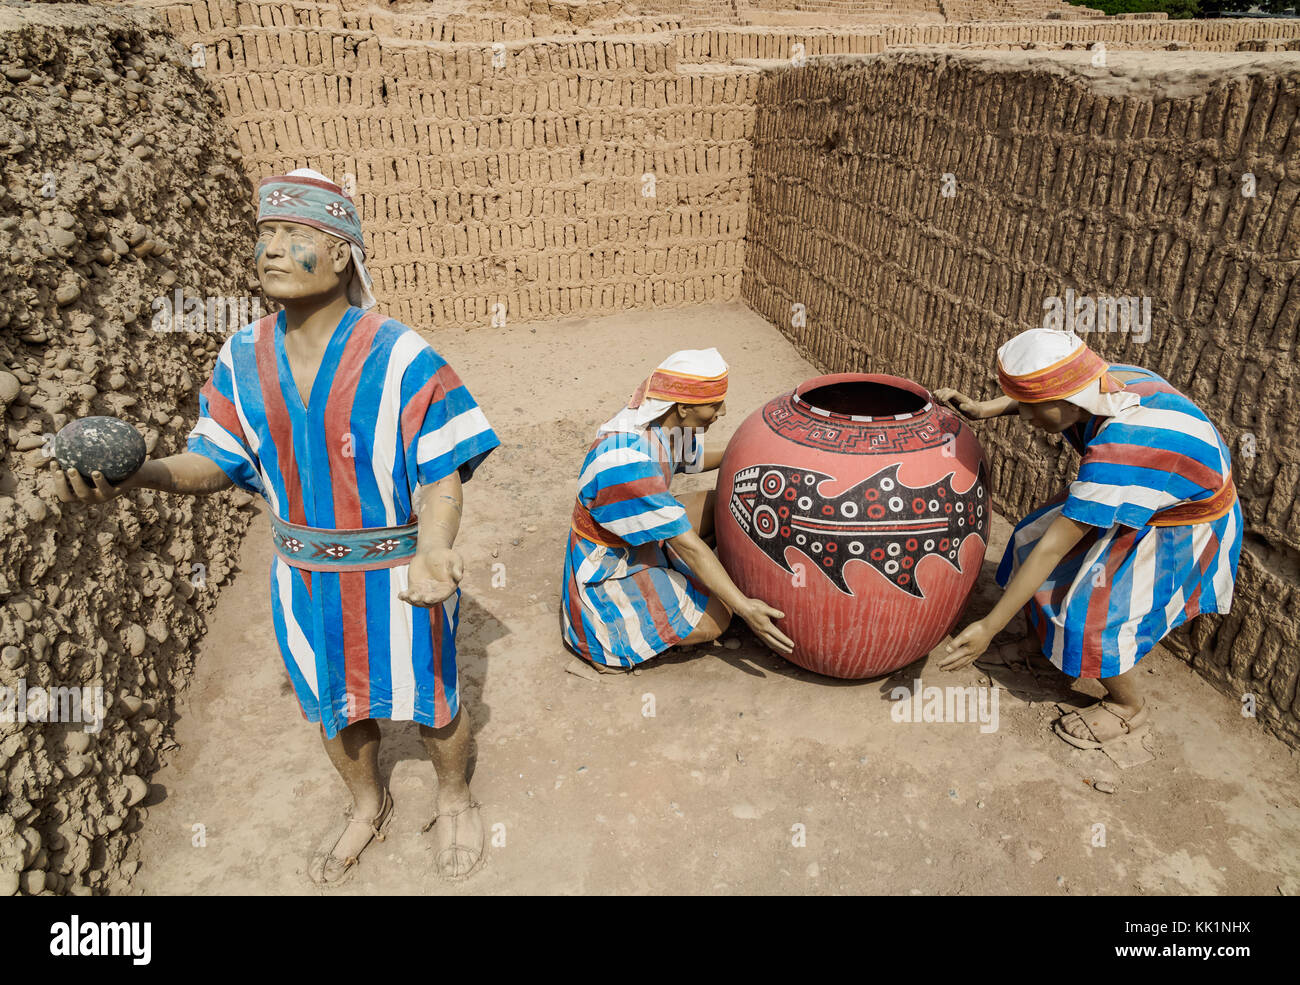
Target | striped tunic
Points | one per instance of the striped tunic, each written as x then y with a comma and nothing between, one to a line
1126,585
623,605
385,415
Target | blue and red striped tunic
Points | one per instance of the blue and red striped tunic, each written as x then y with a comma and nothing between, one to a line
631,598
386,414
1127,584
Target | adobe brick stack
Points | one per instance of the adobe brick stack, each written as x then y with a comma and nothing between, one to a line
1063,176
585,175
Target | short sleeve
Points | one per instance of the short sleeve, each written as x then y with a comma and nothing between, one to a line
625,490
1126,476
443,429
219,433
691,449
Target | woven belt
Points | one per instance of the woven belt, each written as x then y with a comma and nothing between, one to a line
1199,511
316,549
585,526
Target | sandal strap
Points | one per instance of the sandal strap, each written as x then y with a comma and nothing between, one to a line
1124,722
451,814
374,822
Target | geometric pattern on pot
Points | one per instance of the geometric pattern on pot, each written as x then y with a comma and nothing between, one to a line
798,422
880,521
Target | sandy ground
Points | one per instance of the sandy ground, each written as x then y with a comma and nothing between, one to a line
584,794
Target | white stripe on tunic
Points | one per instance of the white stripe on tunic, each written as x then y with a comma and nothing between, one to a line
250,432
645,520
631,619
1172,420
386,437
1109,494
303,655
401,630
460,428
585,570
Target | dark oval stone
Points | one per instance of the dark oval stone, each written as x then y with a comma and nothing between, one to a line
100,444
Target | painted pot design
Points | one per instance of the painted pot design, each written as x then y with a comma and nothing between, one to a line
859,507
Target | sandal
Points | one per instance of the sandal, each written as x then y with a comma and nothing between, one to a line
454,846
334,871
1093,718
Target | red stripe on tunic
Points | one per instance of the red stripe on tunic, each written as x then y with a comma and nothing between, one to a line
356,642
221,410
338,422
633,489
277,420
441,710
417,407
1145,388
1192,608
278,423
347,503
1097,614
658,614
1140,456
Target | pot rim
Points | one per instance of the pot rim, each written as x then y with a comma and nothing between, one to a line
897,382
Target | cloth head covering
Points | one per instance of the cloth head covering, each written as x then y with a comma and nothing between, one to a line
308,197
1047,364
691,376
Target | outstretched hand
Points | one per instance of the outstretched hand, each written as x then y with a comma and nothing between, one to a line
967,646
71,487
759,615
972,409
433,577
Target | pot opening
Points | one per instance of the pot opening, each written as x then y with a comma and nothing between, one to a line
863,399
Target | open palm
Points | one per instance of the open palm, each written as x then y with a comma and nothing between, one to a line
433,577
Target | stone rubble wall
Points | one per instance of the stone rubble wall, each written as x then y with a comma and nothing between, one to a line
120,185
1063,178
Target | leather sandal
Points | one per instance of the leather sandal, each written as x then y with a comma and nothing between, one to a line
334,871
454,847
1092,718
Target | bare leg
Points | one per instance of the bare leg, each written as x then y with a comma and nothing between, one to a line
716,619
1123,694
354,751
459,839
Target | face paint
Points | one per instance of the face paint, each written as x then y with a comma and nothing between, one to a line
304,256
258,250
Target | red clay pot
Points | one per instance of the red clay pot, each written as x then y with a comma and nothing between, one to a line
860,508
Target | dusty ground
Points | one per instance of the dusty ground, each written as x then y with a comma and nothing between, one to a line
585,795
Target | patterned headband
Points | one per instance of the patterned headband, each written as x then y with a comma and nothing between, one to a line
1064,378
680,388
320,204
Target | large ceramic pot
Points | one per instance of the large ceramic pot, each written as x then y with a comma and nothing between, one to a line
860,508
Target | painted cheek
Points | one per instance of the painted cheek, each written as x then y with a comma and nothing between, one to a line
258,250
304,257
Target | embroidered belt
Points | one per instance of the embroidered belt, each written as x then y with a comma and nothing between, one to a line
1199,511
317,549
585,526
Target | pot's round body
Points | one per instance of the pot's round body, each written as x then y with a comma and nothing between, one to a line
859,507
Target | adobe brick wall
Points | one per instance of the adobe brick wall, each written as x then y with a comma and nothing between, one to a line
480,186
1065,177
